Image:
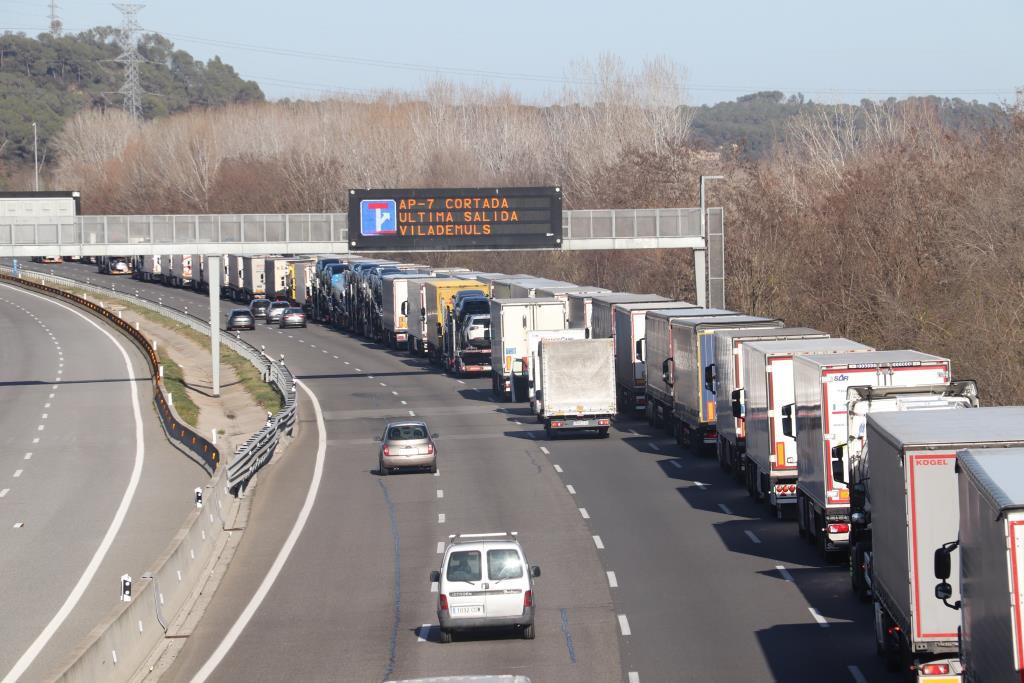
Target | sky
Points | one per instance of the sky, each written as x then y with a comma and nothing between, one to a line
829,51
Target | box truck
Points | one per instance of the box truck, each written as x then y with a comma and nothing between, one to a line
275,274
254,278
511,321
438,297
914,511
502,288
630,368
602,311
578,380
579,306
991,563
395,292
769,458
535,380
820,388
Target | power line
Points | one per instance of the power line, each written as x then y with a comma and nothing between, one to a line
132,88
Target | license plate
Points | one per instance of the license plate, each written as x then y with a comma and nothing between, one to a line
580,423
467,610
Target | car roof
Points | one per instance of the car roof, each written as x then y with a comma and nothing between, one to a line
243,311
407,423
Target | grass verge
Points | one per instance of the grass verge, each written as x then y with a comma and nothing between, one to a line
174,382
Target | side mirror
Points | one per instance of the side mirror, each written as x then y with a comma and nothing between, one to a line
535,571
435,576
639,353
943,564
666,372
405,308
787,420
434,435
378,438
737,403
838,471
709,377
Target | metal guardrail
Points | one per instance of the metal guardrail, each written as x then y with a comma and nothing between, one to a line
259,448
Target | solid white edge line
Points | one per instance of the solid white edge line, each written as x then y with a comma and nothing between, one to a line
29,656
282,556
624,625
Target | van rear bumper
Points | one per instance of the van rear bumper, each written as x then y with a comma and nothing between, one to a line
447,622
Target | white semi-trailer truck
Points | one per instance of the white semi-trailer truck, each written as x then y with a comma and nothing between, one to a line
820,387
915,510
630,368
991,564
511,321
578,379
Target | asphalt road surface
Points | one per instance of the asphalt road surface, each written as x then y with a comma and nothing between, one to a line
82,499
656,565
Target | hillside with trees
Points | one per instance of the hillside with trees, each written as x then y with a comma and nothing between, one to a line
48,79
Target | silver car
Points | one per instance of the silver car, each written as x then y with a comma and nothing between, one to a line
406,444
275,311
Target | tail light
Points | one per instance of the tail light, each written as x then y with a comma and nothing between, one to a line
528,599
935,669
387,450
555,423
444,602
430,449
839,528
603,423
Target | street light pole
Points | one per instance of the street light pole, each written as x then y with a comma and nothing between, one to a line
35,151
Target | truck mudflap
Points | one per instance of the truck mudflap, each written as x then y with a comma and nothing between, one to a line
578,422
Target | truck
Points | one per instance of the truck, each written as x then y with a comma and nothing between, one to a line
527,288
502,288
535,381
395,293
820,385
114,265
511,321
915,510
438,294
578,380
862,401
275,272
729,380
417,316
693,374
147,268
602,311
166,269
236,278
630,368
768,461
254,278
562,292
301,280
579,306
466,343
991,564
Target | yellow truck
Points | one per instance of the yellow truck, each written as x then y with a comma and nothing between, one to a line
440,295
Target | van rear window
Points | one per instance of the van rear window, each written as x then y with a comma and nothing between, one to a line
504,564
464,565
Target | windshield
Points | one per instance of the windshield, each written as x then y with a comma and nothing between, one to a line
464,565
407,432
504,564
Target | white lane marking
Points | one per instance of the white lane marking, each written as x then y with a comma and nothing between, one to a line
433,586
817,617
282,556
675,463
440,547
4,492
724,508
358,370
654,445
46,405
584,514
323,350
302,341
460,381
371,377
613,582
412,414
570,489
29,656
41,428
752,536
312,346
52,395
624,625
598,542
394,392
35,440
335,358
423,632
530,435
18,525
634,677
558,468
699,484
545,451
404,403
440,493
46,415
17,473
28,456
858,677
440,518
785,573
383,385
347,363
438,472
291,336
54,387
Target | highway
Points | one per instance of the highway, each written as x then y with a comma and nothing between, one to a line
656,565
90,489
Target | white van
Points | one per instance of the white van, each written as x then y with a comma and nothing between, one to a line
484,581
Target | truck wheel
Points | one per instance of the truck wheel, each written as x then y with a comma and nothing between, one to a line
550,433
602,433
528,632
446,635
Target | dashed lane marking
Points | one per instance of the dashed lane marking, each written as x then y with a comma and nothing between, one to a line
724,508
817,617
545,451
440,493
675,463
701,485
423,633
752,536
17,473
4,492
634,677
598,542
584,514
440,547
383,385
785,573
654,445
28,456
460,381
440,518
335,358
855,672
404,403
558,468
433,586
570,489
624,625
412,414
394,392
613,582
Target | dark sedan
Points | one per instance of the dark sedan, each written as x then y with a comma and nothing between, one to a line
240,319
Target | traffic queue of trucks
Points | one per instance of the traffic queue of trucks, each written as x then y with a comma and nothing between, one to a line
882,459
